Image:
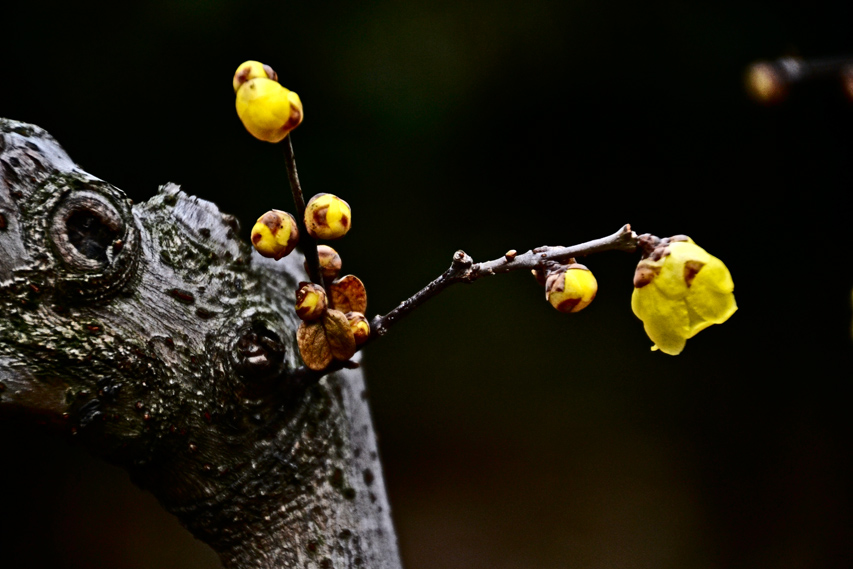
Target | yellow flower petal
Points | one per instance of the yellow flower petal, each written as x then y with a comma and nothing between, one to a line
697,322
665,320
716,276
671,280
710,294
265,108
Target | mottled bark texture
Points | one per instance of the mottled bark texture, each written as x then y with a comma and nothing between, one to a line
165,345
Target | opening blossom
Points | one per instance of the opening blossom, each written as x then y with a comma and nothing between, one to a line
680,290
268,110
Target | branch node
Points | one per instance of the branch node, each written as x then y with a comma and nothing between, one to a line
461,261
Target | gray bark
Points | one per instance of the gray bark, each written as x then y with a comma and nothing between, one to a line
167,346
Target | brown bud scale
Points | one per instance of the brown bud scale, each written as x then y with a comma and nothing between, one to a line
691,269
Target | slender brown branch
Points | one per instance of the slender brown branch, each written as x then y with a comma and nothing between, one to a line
464,270
306,241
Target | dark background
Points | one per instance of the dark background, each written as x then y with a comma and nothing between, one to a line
512,436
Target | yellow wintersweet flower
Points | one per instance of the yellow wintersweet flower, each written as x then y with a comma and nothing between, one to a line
679,291
268,110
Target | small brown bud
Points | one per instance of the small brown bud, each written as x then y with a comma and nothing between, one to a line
311,301
330,262
645,273
339,335
313,345
360,327
348,294
767,83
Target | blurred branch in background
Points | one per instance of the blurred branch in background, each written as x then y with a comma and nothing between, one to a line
769,82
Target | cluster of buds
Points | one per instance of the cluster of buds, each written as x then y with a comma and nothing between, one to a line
333,325
268,110
276,233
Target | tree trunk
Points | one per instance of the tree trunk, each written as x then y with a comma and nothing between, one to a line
167,346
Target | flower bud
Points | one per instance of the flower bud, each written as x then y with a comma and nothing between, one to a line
359,326
268,111
339,335
310,301
330,262
313,345
327,216
348,294
251,70
765,83
571,289
275,234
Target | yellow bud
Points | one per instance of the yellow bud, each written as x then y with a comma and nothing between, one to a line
571,289
251,70
327,217
767,83
680,290
359,326
275,234
330,262
268,111
310,301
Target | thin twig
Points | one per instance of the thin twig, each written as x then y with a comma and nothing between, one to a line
306,241
464,270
